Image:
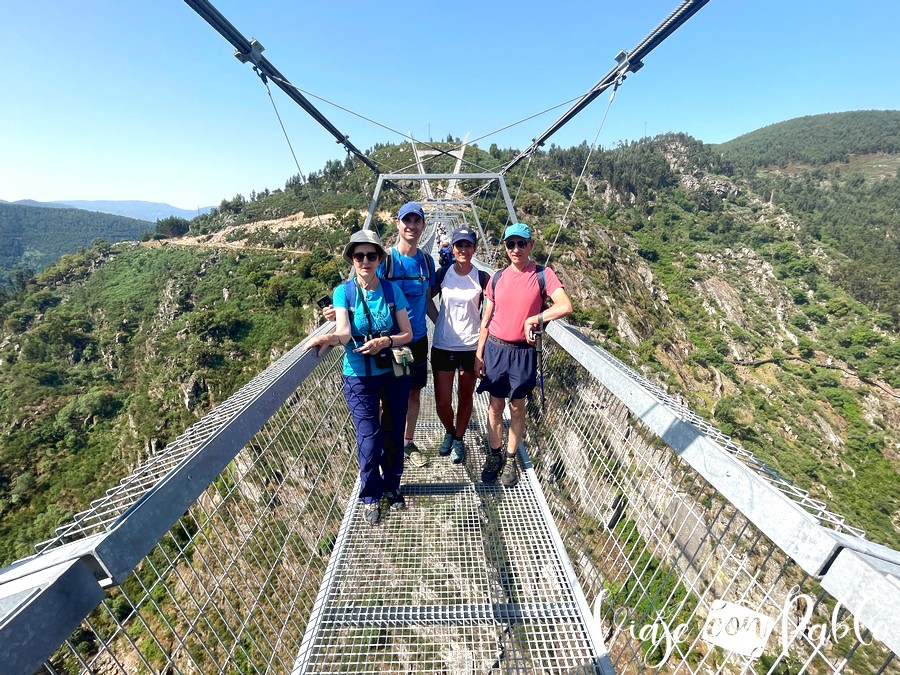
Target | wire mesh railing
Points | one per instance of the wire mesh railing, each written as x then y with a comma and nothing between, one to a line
228,589
682,580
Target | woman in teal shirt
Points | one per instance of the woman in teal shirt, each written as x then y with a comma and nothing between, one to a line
370,319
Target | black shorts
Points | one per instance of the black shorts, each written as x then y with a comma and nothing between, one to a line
446,360
419,370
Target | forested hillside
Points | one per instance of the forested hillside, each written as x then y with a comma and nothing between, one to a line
761,292
32,237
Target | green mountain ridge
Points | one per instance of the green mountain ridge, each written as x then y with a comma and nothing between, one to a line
33,237
738,287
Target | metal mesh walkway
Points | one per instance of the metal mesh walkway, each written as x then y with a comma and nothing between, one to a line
468,578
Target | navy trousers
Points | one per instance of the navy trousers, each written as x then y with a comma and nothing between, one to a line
379,437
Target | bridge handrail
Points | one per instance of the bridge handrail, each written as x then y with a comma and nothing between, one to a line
43,598
858,573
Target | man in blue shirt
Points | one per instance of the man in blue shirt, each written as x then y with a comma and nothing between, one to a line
413,271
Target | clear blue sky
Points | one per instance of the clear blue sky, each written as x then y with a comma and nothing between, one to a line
141,99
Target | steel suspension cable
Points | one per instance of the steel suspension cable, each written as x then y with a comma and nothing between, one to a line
626,62
324,229
252,52
565,216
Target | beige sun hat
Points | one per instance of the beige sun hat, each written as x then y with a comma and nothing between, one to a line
363,237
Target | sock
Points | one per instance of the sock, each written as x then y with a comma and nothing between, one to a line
495,451
457,438
406,442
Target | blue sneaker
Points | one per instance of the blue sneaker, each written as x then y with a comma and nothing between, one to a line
444,447
458,455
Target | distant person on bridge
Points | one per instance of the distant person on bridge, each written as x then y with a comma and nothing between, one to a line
461,290
505,358
413,271
371,316
445,254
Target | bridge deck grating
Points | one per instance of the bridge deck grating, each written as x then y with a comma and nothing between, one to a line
465,579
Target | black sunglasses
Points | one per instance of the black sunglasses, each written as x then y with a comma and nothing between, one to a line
513,243
371,256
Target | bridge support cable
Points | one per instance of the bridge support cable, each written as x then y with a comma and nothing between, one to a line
626,62
251,51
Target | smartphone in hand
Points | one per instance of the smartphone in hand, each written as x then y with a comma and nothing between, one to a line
324,301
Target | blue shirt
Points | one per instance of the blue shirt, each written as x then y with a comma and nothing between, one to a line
416,283
355,364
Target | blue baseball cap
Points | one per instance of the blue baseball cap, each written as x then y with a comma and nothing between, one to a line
411,207
463,234
517,230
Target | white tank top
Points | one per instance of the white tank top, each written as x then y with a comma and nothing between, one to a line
459,316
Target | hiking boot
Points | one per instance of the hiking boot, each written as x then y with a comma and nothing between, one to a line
395,500
414,456
458,456
493,463
372,513
510,475
444,447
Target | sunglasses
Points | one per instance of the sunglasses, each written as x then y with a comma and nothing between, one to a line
516,243
371,256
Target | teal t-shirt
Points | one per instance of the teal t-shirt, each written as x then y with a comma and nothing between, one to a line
414,277
355,364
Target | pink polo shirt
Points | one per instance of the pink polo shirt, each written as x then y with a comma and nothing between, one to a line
518,297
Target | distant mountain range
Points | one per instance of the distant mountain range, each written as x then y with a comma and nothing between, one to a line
151,211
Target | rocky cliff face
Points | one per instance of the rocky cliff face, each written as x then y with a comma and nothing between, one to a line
738,337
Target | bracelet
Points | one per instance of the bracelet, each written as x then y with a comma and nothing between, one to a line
390,340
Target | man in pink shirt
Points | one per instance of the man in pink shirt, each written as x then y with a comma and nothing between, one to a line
505,359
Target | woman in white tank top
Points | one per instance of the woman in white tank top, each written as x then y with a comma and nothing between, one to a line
461,289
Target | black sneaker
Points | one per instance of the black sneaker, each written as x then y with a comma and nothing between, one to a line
372,513
395,500
510,475
493,464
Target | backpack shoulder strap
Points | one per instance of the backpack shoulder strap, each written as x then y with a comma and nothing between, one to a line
389,264
388,290
429,266
439,277
483,278
494,280
350,296
388,293
542,281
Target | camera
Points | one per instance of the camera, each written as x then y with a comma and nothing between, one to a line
383,359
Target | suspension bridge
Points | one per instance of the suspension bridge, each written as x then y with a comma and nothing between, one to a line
640,539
